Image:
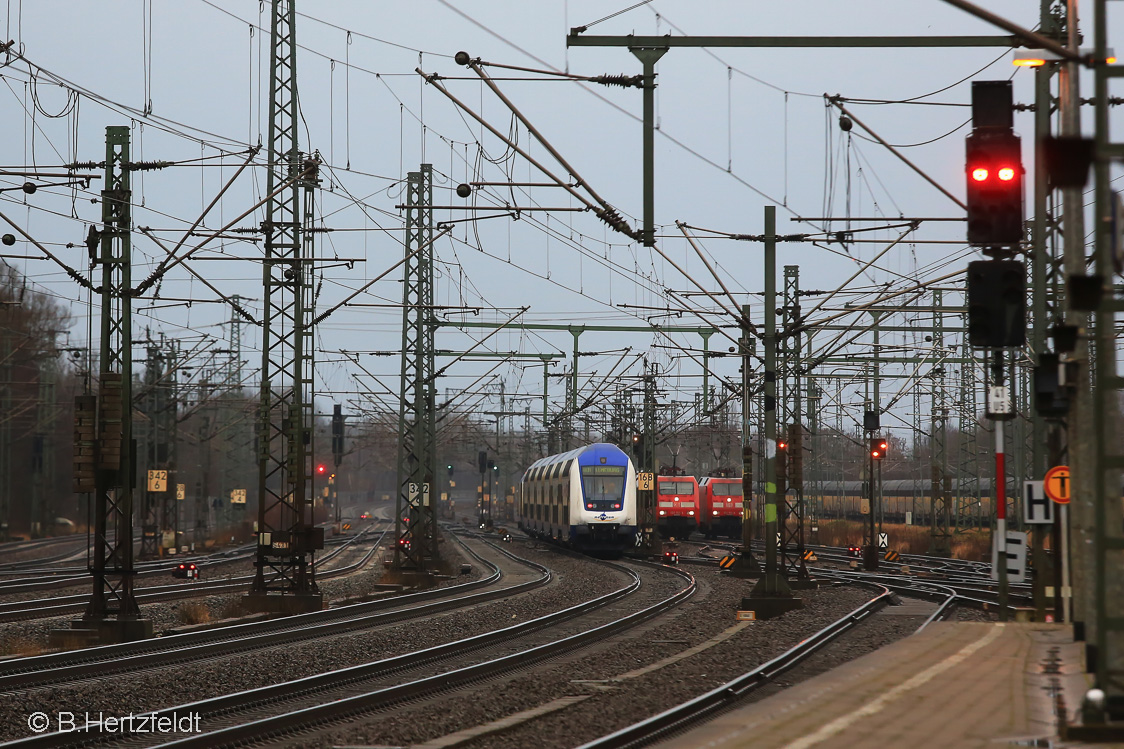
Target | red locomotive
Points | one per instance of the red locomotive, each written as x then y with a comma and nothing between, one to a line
721,507
677,505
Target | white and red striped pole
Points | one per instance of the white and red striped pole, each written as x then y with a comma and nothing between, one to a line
999,414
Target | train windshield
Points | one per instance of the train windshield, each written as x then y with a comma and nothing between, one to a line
726,490
667,488
603,487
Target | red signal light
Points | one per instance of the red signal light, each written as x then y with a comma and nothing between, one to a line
321,468
979,174
1006,174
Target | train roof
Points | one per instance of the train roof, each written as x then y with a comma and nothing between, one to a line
588,453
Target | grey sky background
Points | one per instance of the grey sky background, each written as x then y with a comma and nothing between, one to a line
750,128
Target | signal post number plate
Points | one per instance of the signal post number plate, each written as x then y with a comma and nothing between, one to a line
645,482
158,481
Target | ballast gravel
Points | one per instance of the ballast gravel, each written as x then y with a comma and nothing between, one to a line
575,580
614,704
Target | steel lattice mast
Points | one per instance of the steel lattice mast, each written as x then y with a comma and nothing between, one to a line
106,429
286,536
415,524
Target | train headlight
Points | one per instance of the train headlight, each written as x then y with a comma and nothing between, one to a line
714,512
690,512
662,512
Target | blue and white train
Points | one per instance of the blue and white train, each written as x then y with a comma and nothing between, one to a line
585,498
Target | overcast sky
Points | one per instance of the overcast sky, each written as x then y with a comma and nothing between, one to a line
740,129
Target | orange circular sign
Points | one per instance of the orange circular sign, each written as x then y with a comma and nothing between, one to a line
1056,484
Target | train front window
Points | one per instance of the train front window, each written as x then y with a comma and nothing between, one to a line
603,487
727,490
680,488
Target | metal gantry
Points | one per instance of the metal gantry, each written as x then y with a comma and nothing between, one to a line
415,521
284,579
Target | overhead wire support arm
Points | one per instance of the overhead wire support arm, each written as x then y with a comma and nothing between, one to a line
323,315
81,280
862,269
604,210
714,298
575,39
190,232
431,80
164,267
234,305
608,213
513,318
625,81
834,101
694,245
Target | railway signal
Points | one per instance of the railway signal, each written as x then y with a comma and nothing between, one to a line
993,169
878,447
337,434
996,303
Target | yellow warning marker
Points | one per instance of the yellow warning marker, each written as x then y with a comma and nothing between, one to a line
727,562
810,556
892,556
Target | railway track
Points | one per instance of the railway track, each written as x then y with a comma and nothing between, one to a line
965,581
310,703
46,670
694,711
62,605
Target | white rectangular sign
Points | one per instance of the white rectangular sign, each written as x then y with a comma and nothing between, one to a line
1037,507
1016,557
883,541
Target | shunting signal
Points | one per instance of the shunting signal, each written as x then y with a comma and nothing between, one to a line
878,447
